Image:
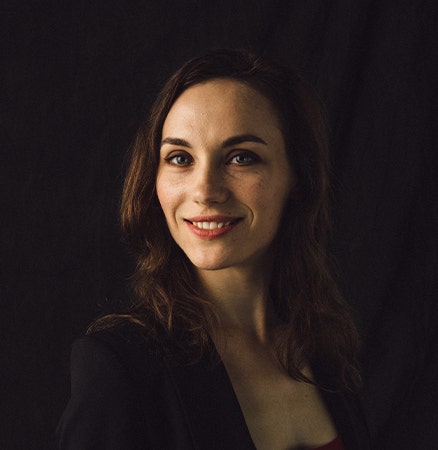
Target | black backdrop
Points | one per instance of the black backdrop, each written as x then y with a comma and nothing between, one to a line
78,77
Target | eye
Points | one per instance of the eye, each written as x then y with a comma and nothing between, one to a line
179,159
244,159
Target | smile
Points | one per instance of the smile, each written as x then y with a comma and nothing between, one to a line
210,225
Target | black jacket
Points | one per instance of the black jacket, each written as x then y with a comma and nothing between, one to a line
124,396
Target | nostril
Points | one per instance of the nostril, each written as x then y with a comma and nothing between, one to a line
210,194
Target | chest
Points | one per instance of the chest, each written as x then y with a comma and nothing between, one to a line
280,413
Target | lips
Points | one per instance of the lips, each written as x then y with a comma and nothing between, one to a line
210,227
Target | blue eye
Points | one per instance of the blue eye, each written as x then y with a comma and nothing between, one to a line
244,159
179,160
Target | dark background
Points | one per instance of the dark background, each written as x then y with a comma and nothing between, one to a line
78,77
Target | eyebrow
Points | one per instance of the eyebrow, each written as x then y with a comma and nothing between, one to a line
233,140
175,141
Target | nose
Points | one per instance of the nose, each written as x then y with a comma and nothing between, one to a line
209,185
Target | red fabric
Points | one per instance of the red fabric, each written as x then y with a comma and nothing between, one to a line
336,444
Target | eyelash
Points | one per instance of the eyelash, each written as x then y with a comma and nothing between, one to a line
246,154
253,158
170,159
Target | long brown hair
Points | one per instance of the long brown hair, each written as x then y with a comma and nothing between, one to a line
316,320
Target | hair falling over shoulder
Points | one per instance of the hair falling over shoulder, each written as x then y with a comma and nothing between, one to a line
317,322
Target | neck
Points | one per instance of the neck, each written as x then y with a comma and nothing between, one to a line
241,300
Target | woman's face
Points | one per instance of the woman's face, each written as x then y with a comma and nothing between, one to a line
223,177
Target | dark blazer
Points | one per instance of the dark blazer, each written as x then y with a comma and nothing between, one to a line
125,396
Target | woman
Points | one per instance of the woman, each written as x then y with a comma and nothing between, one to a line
238,337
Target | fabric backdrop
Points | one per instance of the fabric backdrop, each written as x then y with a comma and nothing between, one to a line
77,79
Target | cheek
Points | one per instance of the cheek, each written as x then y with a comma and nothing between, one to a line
283,189
170,196
164,194
270,197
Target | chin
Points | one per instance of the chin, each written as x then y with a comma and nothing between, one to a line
209,263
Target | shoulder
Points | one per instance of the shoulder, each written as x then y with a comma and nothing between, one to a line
344,407
126,350
116,385
346,410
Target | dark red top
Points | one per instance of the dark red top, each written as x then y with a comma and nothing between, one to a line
336,444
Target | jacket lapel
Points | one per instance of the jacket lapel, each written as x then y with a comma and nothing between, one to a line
216,421
213,412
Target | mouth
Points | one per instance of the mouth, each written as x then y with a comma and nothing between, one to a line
212,222
212,226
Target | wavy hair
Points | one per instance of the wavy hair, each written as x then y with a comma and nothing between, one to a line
317,323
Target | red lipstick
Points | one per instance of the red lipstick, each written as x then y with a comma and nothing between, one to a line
211,227
213,218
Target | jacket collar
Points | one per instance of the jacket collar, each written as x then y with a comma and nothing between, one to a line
215,418
213,412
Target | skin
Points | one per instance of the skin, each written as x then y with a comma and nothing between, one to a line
249,180
206,171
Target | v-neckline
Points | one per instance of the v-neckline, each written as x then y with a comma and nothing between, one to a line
213,412
215,417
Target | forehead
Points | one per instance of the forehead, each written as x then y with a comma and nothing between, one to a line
228,103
